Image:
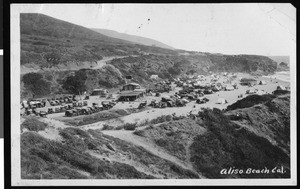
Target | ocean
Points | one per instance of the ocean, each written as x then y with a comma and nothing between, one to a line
283,76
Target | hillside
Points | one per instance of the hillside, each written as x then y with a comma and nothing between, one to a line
54,50
132,38
279,59
47,42
168,148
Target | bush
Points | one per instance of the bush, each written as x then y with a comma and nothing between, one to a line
35,83
75,84
33,124
139,133
120,127
107,127
130,126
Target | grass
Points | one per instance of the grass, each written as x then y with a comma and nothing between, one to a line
33,124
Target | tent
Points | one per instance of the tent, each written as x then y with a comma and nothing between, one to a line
222,101
262,83
250,91
260,92
280,87
154,77
229,88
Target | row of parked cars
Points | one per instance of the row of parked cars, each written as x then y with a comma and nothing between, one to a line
105,105
65,107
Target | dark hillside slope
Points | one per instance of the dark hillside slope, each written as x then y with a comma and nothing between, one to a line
269,119
42,25
242,63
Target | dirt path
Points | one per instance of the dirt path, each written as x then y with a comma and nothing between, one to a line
148,145
72,65
105,60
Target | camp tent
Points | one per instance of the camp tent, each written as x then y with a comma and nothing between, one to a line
280,87
260,92
262,83
229,88
250,91
154,77
222,101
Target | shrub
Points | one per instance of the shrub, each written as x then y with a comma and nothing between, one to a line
130,126
35,83
75,84
33,124
107,127
120,127
139,133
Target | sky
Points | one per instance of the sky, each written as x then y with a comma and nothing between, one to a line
264,29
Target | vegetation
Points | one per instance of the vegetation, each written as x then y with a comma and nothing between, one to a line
45,159
130,126
33,124
36,84
251,100
75,84
226,145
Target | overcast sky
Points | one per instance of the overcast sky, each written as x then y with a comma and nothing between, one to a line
265,29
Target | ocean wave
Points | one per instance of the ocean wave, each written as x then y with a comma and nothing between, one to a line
283,76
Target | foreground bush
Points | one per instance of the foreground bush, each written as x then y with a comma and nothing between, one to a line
33,124
130,126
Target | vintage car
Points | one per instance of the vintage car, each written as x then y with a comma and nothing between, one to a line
85,103
50,111
69,113
142,105
43,113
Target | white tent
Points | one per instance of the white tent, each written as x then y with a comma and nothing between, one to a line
250,91
260,92
262,83
280,87
229,88
222,101
154,77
